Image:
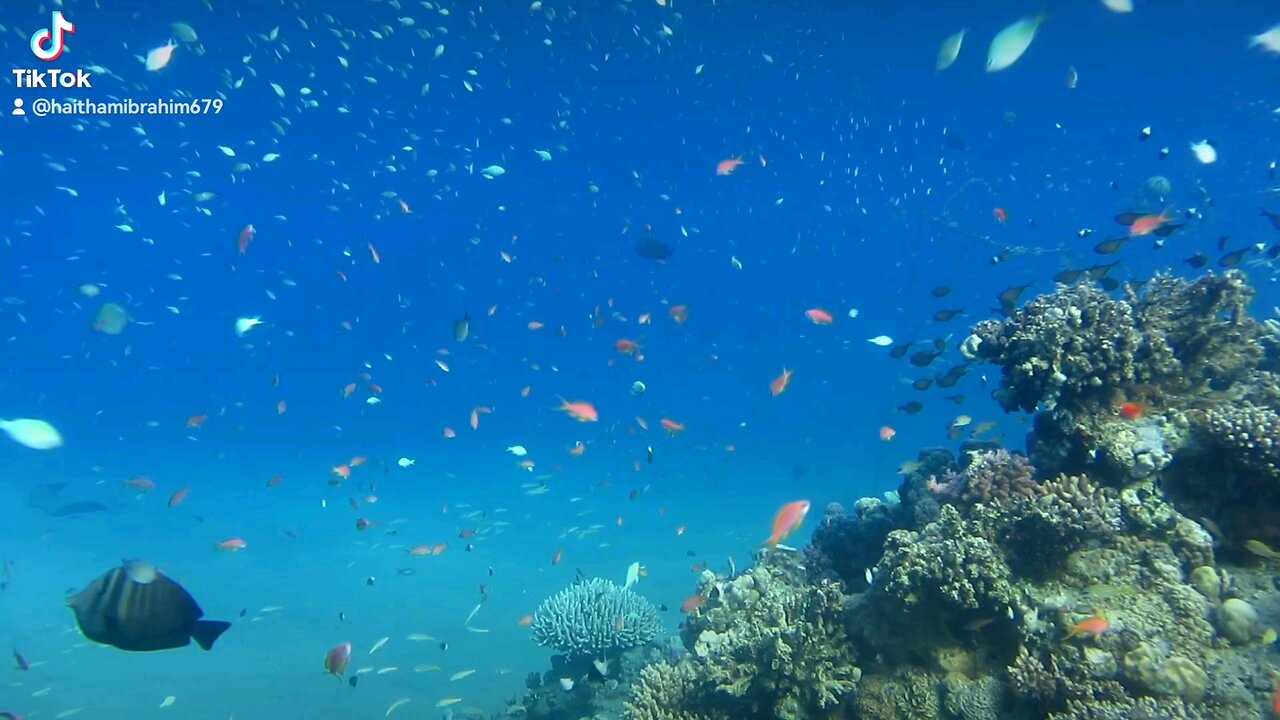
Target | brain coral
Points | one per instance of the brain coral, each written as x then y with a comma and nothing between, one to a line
582,619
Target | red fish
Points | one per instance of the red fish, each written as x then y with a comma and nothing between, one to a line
232,545
246,237
626,347
1001,215
671,426
789,519
728,165
1147,224
335,661
140,483
176,499
692,603
1095,625
818,316
525,621
780,383
1132,410
579,410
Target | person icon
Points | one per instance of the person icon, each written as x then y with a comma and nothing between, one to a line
17,107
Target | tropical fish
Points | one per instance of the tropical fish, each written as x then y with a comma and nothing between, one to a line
818,316
111,319
1010,43
579,410
135,607
462,327
336,660
789,519
1093,626
1261,549
45,498
779,384
35,434
950,50
652,249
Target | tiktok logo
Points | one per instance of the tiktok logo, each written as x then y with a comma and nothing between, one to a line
48,44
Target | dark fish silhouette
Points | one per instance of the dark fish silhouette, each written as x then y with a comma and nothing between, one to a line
647,247
1273,217
940,291
947,315
462,327
47,499
1197,261
1233,258
1110,246
134,607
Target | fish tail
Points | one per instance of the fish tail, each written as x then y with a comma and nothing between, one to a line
207,632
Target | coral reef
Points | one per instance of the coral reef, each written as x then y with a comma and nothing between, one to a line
595,618
1119,569
768,644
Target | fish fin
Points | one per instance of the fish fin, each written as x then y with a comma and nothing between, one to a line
1128,218
207,632
1165,230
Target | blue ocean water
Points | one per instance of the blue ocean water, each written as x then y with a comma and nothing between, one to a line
868,179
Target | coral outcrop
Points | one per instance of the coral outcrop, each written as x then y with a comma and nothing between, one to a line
768,644
594,618
1120,566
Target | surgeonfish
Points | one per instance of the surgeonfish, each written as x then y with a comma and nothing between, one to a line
1010,43
950,49
135,607
35,434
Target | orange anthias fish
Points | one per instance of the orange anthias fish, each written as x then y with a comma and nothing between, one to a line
789,519
232,545
728,165
627,347
1001,215
1093,626
692,603
579,410
671,426
141,484
887,433
335,661
1132,410
818,316
780,383
1147,224
196,421
246,237
176,499
679,313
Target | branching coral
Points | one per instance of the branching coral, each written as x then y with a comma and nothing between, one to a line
595,617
